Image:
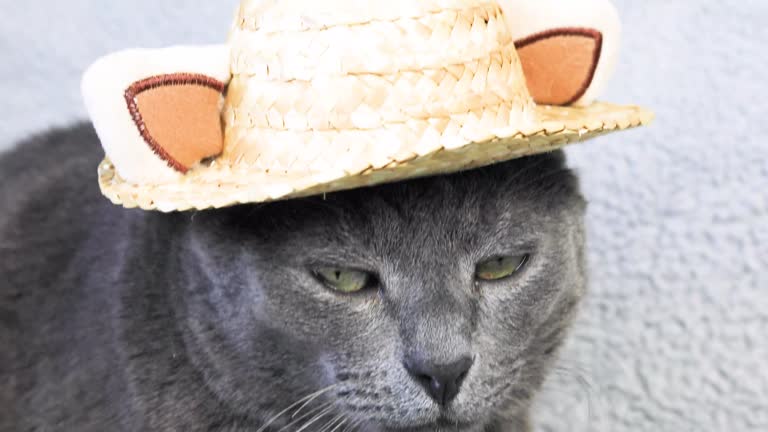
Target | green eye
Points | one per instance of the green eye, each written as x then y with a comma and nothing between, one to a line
500,268
343,281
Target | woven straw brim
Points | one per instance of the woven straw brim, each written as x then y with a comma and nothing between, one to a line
213,185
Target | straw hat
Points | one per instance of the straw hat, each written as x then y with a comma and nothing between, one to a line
309,97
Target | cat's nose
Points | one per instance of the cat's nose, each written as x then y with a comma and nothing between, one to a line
441,381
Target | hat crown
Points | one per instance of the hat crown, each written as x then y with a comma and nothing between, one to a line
283,15
361,79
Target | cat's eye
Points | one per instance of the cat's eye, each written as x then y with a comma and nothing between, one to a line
343,280
500,267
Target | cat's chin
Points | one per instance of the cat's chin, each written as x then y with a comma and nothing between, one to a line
441,425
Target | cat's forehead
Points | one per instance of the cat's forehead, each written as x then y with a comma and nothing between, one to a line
520,195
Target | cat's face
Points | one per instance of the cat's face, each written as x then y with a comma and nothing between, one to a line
461,287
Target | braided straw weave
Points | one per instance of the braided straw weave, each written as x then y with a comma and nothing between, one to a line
330,97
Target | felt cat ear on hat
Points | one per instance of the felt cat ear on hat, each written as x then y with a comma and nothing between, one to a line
568,48
158,111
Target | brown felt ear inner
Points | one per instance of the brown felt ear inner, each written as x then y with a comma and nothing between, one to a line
184,120
178,115
559,64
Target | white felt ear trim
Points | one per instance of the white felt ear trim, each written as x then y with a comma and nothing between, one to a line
528,17
103,87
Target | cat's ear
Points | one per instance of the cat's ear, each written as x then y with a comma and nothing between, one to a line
568,48
158,112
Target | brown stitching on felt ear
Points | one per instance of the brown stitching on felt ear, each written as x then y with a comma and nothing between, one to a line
593,34
154,82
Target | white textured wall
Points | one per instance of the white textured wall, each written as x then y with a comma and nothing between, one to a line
675,334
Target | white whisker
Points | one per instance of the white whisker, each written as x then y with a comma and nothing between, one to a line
353,426
339,425
309,413
332,422
309,397
325,412
309,401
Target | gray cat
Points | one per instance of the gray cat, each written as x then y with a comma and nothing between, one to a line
436,304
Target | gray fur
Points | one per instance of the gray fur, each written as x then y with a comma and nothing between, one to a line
115,319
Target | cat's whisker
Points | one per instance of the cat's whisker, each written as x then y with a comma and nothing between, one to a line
318,394
322,414
308,398
587,388
575,370
578,375
314,410
332,422
353,426
309,413
339,425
